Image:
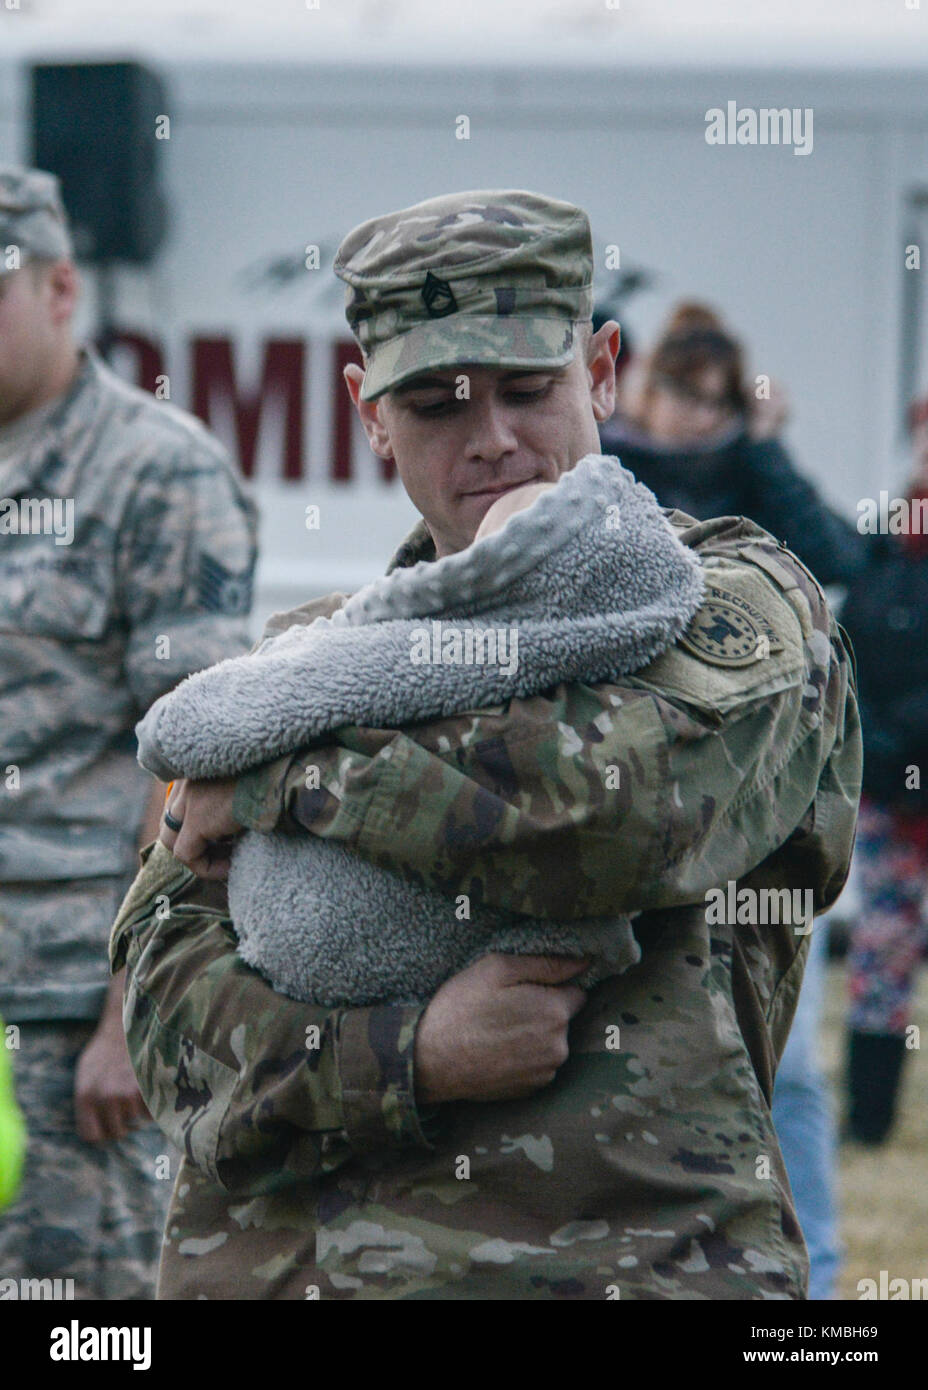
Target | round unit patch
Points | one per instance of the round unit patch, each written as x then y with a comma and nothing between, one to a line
729,631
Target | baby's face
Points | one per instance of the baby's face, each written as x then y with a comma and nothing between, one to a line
515,501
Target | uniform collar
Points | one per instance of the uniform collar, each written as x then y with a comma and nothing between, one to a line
18,434
417,546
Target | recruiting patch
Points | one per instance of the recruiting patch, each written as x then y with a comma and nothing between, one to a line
730,631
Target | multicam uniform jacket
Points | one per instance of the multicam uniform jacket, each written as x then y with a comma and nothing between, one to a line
649,1168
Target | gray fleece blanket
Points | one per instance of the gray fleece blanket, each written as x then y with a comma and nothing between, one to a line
589,583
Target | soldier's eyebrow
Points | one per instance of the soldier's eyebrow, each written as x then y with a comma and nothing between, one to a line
425,383
422,383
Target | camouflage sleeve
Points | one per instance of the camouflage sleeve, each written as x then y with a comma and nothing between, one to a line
255,1088
186,565
588,800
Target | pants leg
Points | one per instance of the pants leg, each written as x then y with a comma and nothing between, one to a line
888,939
804,1122
885,950
90,1213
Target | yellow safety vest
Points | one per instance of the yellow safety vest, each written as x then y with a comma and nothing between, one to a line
12,1128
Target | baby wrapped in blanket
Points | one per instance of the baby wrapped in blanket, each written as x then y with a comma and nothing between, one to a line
587,583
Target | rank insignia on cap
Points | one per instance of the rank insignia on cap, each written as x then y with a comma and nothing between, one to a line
729,631
438,296
220,590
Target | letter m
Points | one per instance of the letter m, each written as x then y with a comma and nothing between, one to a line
35,1289
779,125
115,1344
217,398
37,515
779,905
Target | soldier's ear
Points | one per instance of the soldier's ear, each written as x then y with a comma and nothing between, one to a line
369,412
63,288
600,365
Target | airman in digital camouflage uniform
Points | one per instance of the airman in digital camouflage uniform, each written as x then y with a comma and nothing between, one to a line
514,1138
126,555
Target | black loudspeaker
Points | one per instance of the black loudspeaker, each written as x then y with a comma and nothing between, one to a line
94,125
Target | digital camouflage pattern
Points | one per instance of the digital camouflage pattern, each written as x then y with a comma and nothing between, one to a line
649,1168
52,935
32,217
488,276
127,547
90,1213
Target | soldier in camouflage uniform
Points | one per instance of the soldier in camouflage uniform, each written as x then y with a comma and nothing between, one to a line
513,1138
126,554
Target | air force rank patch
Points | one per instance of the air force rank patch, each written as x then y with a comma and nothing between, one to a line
730,631
222,591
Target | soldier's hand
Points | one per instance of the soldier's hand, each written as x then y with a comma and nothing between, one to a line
497,1030
209,829
107,1100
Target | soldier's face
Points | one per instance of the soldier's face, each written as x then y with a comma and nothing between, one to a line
463,437
35,309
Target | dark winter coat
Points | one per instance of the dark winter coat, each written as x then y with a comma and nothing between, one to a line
886,617
738,476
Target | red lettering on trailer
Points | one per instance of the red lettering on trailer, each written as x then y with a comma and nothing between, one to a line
214,384
282,376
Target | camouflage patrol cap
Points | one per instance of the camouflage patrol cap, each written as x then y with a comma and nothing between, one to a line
32,216
493,277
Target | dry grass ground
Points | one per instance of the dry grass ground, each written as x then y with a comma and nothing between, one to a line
883,1193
